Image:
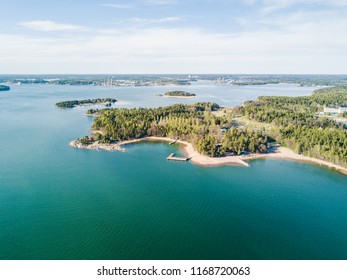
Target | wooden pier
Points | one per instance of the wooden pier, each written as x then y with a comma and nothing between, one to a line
172,157
173,142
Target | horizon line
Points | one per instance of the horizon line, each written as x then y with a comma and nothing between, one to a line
195,74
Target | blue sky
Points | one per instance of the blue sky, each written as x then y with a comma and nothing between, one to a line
172,36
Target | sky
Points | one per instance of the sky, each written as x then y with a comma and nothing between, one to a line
173,36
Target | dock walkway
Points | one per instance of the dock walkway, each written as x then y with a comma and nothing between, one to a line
172,157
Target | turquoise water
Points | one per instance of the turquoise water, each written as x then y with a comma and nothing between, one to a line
57,202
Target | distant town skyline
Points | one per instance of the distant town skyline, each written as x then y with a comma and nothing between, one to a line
171,36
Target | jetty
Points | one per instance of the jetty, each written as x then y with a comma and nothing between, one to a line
173,142
172,157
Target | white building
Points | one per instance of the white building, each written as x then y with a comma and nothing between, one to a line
334,111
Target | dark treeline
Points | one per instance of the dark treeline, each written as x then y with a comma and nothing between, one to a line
253,83
300,128
330,97
4,88
71,82
73,103
179,93
209,134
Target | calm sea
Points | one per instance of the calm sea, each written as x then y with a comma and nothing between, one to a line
57,202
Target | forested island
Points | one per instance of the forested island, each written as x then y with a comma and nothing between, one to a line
253,128
179,93
197,124
4,88
86,102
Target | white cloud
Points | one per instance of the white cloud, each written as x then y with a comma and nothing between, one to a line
47,25
313,21
269,6
154,20
161,2
297,45
118,6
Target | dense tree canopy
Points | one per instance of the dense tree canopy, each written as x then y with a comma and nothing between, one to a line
74,103
195,123
301,128
296,121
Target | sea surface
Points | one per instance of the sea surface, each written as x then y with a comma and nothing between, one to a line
57,202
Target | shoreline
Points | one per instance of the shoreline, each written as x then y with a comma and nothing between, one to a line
120,102
280,153
180,97
283,153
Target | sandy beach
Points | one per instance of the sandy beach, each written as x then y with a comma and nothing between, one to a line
287,154
121,102
189,151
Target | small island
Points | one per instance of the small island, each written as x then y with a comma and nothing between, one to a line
270,127
87,102
179,94
4,88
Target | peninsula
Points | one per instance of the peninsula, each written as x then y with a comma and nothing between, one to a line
179,94
274,127
195,124
87,102
4,88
